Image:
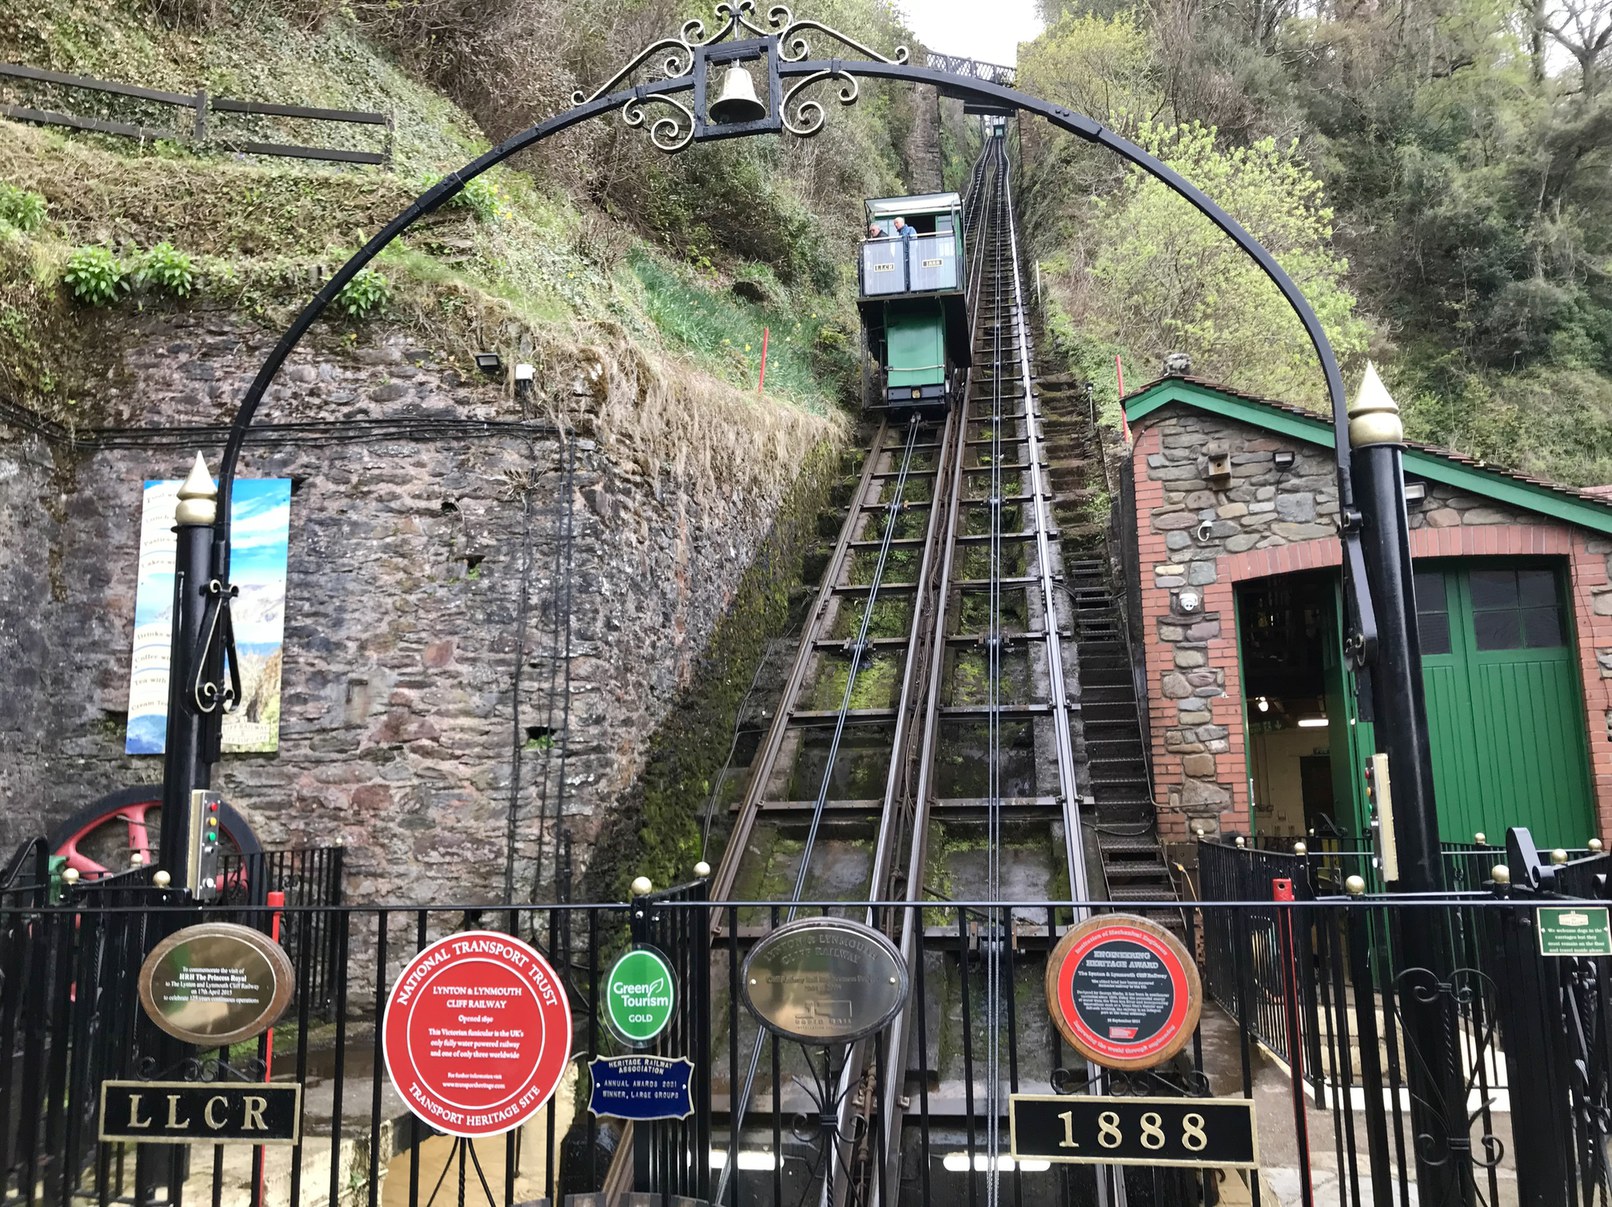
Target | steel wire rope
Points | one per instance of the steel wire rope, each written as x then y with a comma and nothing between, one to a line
859,647
993,802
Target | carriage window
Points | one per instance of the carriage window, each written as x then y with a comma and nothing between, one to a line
1516,609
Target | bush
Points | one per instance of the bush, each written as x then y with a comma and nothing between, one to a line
167,268
22,209
365,294
94,276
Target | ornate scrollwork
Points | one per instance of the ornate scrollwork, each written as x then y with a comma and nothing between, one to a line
806,117
675,59
668,133
216,650
793,47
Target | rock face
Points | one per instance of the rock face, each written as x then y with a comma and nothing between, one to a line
482,627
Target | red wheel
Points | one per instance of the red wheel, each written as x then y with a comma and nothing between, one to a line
102,838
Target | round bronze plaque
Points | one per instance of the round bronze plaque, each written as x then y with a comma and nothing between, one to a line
216,983
824,980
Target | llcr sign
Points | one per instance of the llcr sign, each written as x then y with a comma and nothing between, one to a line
640,996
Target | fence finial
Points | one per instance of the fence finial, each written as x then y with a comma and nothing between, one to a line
1558,856
1355,886
161,879
1481,839
1596,846
1301,848
1500,874
702,869
1240,841
642,887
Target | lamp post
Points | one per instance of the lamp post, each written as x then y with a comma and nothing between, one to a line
1437,1087
192,734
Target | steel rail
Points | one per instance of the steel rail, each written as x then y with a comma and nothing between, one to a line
739,1105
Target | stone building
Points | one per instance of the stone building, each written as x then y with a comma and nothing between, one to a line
1258,723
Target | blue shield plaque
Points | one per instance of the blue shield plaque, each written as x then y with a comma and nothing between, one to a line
641,1087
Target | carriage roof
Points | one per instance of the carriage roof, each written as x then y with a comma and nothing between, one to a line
922,203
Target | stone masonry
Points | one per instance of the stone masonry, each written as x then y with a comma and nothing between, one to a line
401,731
1210,535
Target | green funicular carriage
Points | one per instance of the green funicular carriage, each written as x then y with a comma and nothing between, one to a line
914,312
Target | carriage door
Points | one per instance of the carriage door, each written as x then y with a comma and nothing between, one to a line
1504,705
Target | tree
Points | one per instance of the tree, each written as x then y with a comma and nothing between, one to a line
1163,278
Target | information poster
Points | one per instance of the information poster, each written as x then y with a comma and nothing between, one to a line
259,537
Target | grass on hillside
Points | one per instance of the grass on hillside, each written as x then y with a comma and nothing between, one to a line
263,234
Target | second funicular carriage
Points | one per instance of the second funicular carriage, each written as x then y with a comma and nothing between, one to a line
911,295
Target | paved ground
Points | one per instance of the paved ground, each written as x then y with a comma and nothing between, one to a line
1282,1173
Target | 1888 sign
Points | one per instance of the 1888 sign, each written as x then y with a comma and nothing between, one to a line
1134,1131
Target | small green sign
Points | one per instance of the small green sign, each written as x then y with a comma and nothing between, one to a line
640,994
1573,930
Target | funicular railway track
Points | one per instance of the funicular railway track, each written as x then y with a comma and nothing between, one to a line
922,752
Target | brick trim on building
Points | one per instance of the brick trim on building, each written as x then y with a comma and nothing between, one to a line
1189,533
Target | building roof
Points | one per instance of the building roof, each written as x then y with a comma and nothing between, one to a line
1586,508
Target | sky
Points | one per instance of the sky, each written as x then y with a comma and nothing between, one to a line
989,32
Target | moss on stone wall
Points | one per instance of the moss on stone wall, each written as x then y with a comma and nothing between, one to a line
658,830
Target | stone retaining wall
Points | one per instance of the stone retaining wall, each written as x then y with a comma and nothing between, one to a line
401,730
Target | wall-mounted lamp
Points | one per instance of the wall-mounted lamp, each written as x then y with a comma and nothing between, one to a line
1415,492
1284,459
524,375
490,363
1263,704
1312,722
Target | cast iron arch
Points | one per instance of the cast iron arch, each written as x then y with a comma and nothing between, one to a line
207,661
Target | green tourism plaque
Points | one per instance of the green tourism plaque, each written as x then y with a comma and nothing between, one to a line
1574,930
640,995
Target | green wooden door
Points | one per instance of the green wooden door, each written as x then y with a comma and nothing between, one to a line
1504,707
1351,737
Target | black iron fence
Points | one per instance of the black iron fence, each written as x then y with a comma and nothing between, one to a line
1522,1117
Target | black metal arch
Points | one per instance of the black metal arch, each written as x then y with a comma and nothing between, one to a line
1361,620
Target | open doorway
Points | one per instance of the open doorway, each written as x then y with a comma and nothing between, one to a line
1294,701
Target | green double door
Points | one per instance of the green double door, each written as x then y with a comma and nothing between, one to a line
1504,705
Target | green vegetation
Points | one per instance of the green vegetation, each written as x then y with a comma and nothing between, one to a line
167,269
364,295
20,208
95,276
1433,179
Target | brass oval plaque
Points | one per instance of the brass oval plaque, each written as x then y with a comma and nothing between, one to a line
216,983
824,980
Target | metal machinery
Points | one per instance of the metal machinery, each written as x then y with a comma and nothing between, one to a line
914,312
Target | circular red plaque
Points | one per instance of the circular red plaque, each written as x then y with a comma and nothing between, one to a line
477,1033
1123,991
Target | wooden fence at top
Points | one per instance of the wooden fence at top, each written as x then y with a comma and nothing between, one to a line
201,106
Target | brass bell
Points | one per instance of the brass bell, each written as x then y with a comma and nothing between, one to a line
738,101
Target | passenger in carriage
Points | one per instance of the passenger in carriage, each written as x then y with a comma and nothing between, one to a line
875,231
904,229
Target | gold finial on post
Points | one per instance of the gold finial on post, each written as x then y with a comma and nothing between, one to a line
1558,856
1355,886
1500,874
1374,415
641,887
198,497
